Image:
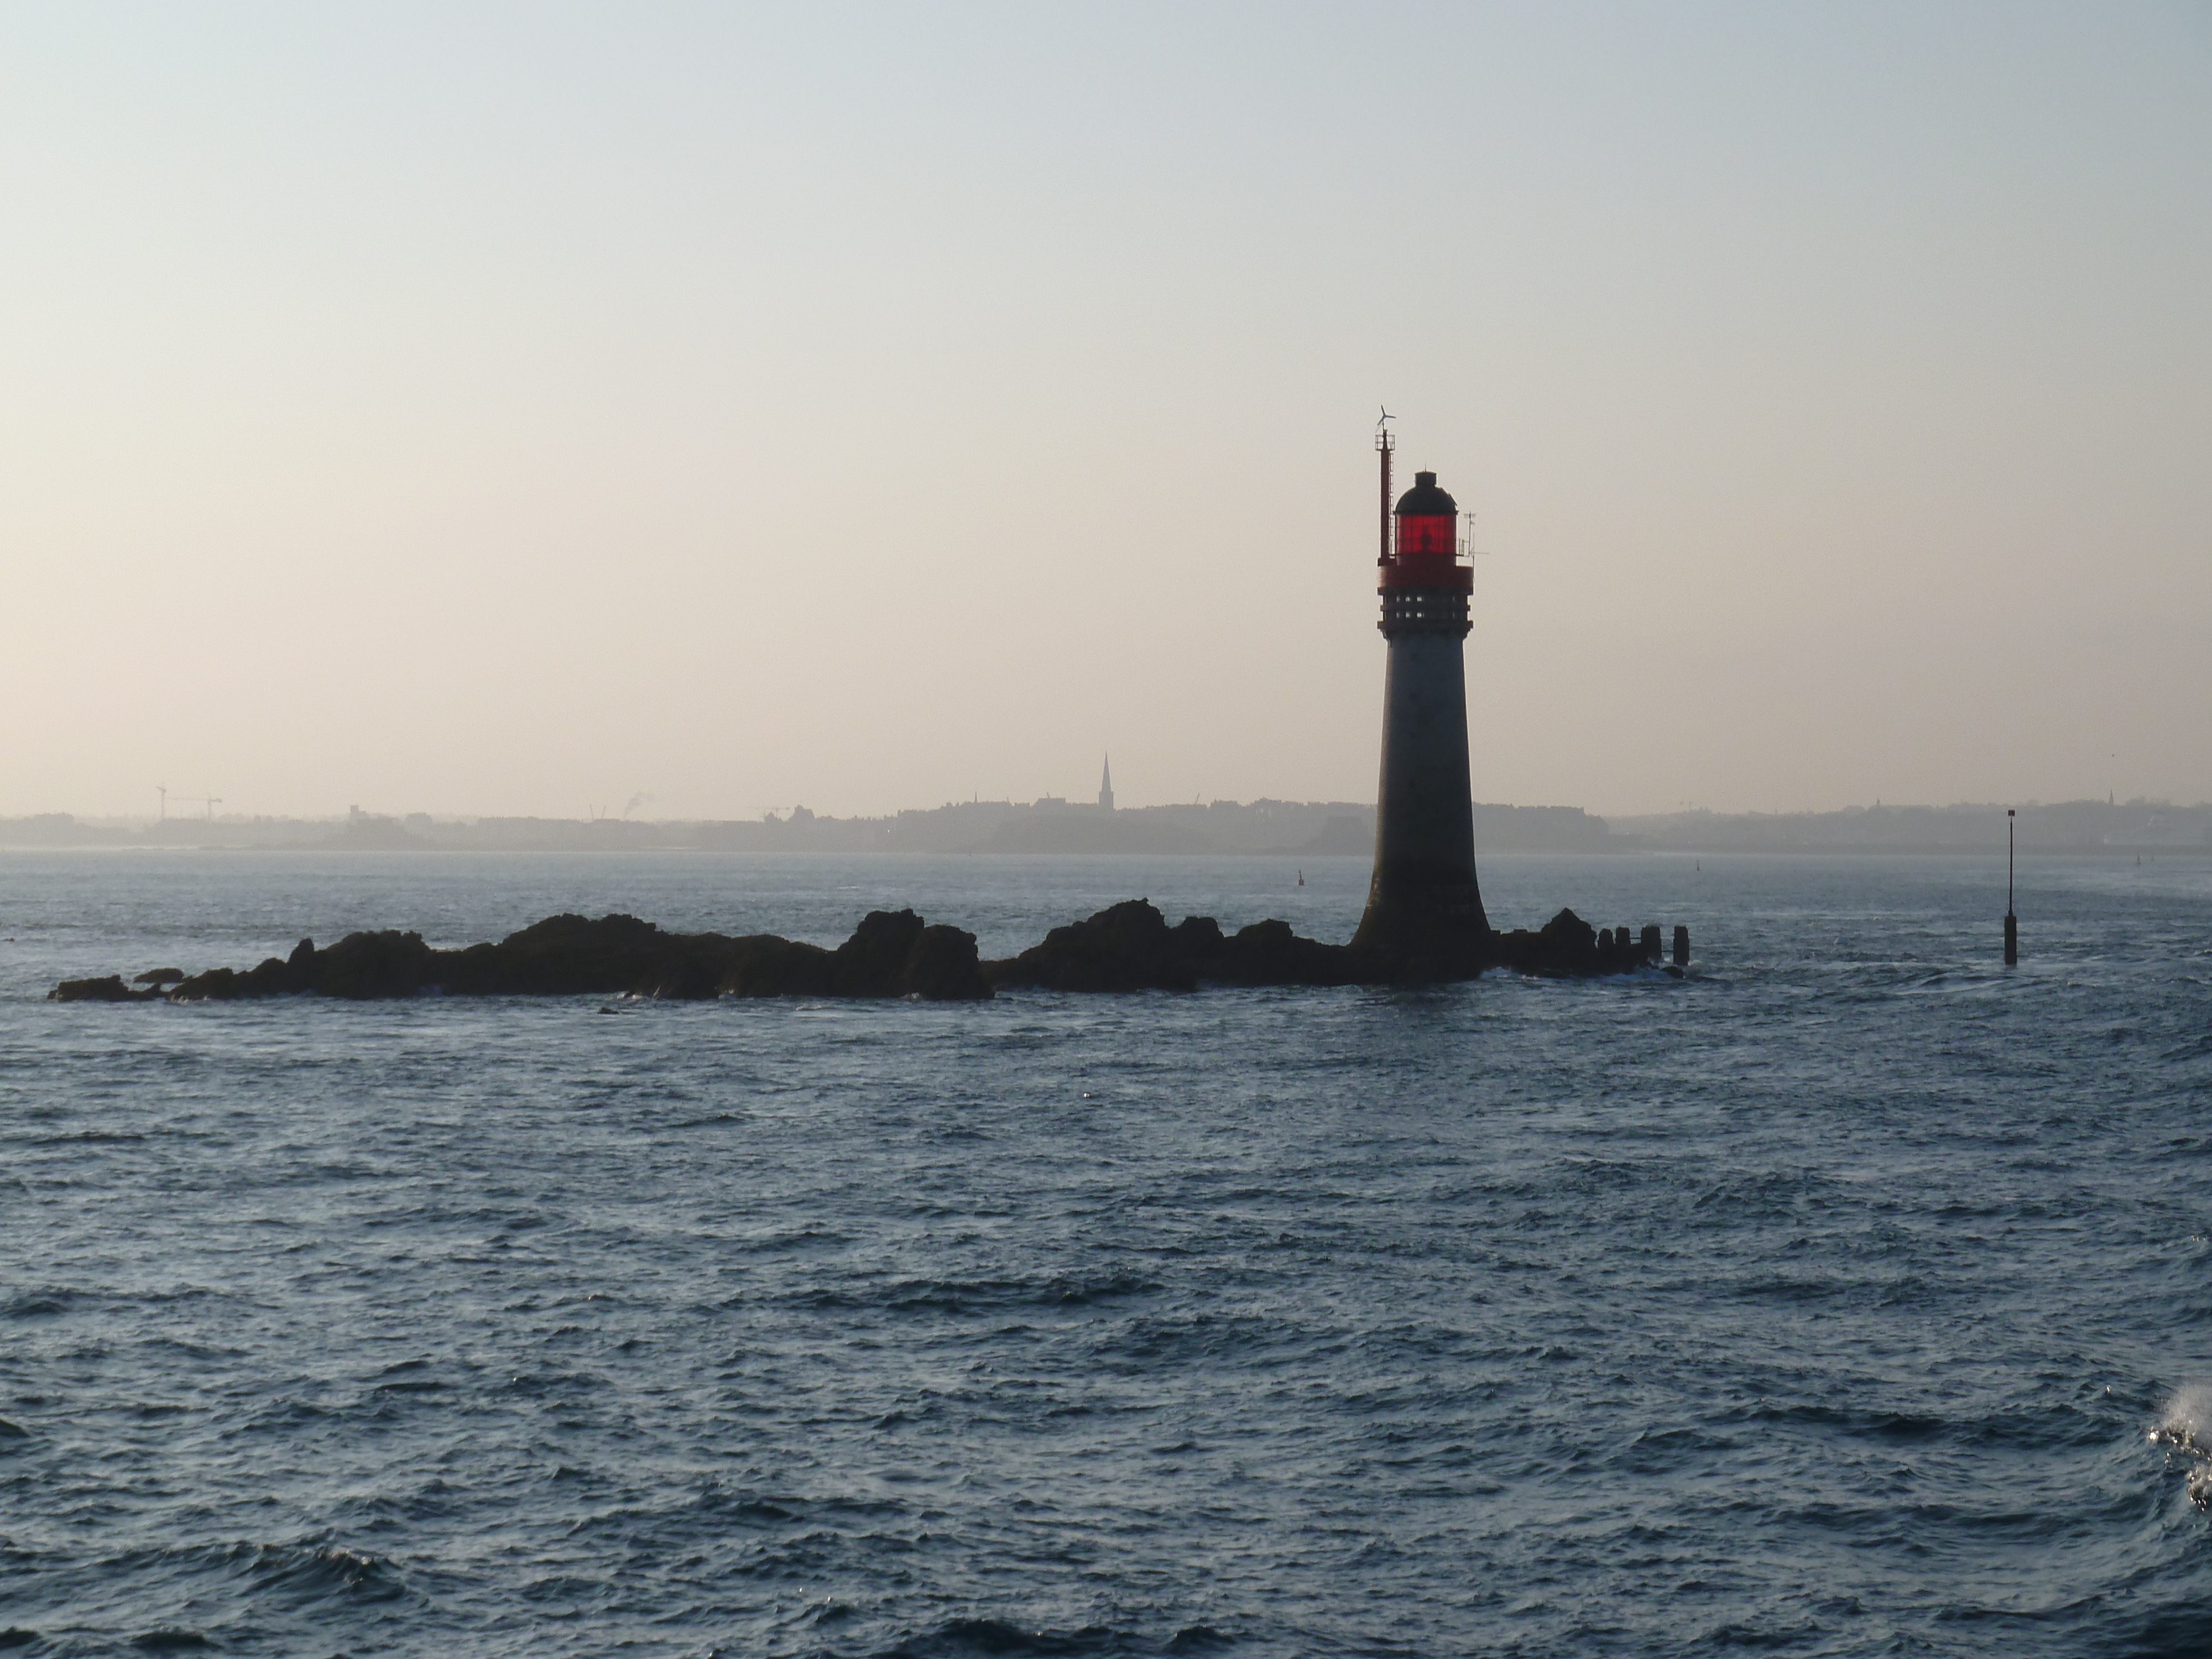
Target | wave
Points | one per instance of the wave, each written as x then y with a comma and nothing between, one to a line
2185,1430
967,1296
961,1638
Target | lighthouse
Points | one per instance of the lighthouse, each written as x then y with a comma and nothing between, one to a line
1423,905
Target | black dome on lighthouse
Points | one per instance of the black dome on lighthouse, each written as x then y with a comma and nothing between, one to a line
1425,498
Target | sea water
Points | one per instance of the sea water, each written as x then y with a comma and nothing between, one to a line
1851,1295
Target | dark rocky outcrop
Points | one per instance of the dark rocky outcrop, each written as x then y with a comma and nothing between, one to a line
1567,947
1131,947
111,989
892,953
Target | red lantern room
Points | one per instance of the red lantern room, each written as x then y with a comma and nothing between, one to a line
1426,553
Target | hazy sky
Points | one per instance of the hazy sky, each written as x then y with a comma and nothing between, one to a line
524,408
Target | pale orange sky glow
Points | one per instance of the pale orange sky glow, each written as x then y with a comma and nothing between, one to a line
492,409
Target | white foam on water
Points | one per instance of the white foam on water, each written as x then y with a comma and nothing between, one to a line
2186,1428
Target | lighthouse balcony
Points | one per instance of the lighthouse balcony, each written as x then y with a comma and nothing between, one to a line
1425,610
1427,570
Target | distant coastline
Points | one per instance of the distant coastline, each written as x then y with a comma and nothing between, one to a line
2120,829
1273,828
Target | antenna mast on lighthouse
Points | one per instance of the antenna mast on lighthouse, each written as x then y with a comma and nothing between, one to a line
1384,443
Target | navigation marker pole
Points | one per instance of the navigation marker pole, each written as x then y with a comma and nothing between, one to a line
2011,922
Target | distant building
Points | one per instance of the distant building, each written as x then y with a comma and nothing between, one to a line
1106,787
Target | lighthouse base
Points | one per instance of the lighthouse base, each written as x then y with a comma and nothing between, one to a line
1426,923
1425,915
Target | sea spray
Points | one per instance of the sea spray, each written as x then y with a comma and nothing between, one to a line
2185,1430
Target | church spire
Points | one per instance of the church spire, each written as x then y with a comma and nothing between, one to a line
1106,787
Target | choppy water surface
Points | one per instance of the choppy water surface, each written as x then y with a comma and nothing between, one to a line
1849,1297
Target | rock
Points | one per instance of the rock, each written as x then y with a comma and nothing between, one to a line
1269,953
1568,932
871,963
892,953
111,989
215,985
1130,947
943,967
1567,947
362,966
763,966
160,976
1199,936
562,956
